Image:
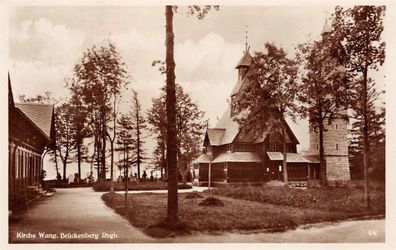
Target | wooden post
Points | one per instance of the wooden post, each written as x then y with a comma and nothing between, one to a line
226,172
209,175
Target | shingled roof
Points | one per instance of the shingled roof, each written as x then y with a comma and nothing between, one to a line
238,157
227,130
215,135
39,114
246,60
231,127
326,28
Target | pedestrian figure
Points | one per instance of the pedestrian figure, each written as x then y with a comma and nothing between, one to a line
151,176
144,175
58,178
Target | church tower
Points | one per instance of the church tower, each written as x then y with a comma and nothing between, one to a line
243,67
335,142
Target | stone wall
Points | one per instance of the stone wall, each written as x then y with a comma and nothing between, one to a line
335,139
335,142
337,168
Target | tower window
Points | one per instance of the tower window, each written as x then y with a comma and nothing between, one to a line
336,126
337,146
317,146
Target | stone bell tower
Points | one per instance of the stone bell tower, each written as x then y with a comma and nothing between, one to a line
335,145
335,142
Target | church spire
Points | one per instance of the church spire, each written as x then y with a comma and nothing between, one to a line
326,28
246,39
246,60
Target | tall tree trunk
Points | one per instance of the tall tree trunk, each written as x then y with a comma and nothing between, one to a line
111,159
138,139
56,161
284,145
171,121
64,168
98,147
103,150
365,141
321,155
112,144
111,165
126,181
79,160
164,164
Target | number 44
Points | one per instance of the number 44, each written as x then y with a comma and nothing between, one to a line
372,233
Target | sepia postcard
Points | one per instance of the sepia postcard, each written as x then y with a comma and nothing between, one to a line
156,122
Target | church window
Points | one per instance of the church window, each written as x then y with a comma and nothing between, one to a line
336,126
337,146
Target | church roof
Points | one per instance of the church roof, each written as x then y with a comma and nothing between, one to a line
241,83
39,114
246,60
290,157
215,135
312,158
231,127
227,130
326,28
237,157
203,158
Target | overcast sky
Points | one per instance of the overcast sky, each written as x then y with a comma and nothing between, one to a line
45,43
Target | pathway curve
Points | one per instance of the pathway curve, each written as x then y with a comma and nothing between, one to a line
79,212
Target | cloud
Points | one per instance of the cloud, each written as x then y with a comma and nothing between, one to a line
211,57
36,77
42,40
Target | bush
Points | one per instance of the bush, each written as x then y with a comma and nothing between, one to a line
135,185
211,201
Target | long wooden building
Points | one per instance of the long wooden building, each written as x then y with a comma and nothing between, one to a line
31,132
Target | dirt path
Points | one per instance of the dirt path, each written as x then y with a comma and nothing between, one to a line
340,232
78,211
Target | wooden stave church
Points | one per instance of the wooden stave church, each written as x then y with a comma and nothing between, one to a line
235,155
264,154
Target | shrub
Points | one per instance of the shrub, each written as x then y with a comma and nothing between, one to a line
211,201
135,185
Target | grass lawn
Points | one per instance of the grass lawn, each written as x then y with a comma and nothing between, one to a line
348,199
135,185
241,213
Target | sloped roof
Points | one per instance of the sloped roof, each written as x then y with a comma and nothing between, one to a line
231,127
237,157
10,95
203,158
39,114
246,60
326,28
241,83
312,158
290,157
215,135
226,129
